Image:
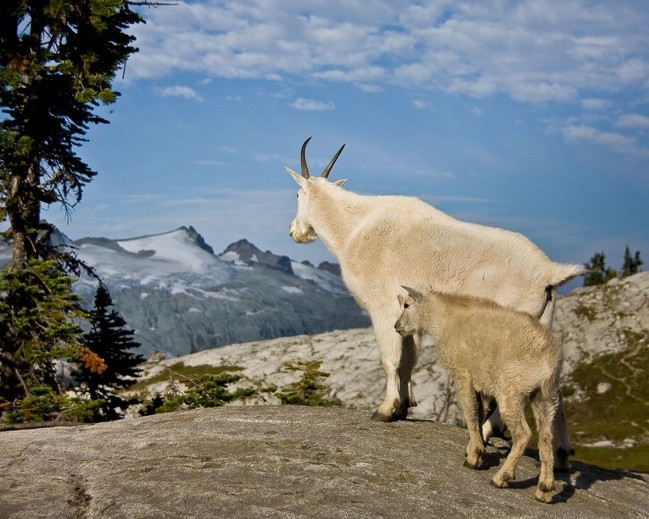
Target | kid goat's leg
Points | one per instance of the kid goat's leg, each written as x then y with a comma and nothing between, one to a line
544,408
562,446
512,412
468,399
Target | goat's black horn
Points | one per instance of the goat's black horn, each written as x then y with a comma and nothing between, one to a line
325,172
305,168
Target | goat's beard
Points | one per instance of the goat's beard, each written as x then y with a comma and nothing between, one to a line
307,237
302,233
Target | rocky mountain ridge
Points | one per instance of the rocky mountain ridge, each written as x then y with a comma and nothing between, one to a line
180,297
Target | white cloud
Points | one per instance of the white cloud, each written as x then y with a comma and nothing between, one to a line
633,121
312,105
615,141
534,51
179,91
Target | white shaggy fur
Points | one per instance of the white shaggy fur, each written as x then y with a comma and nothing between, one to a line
383,242
495,351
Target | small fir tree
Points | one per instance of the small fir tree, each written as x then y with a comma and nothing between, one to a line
38,326
598,273
631,263
109,343
308,390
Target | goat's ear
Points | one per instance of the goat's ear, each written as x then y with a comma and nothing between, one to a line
401,299
298,178
417,296
340,182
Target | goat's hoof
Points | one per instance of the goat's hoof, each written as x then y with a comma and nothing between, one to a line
381,417
543,497
501,480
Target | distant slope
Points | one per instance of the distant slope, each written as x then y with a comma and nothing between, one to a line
180,297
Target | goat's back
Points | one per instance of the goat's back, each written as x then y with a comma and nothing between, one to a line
403,241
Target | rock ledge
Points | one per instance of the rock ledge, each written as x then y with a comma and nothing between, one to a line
283,461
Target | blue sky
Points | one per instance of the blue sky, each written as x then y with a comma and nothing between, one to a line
532,116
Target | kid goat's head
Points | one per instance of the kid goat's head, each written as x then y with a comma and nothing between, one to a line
301,228
410,308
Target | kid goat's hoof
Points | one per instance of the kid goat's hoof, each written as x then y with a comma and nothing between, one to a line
543,497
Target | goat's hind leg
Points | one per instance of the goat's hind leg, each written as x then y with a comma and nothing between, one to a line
562,446
512,412
544,409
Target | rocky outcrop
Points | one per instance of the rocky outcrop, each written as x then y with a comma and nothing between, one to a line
589,321
592,321
283,462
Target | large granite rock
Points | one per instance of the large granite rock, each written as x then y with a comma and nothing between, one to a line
283,461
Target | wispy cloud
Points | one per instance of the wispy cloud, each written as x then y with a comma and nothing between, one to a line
312,105
615,141
633,121
179,91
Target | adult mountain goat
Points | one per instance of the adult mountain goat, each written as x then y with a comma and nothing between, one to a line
383,242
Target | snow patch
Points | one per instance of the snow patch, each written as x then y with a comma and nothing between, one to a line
293,290
325,280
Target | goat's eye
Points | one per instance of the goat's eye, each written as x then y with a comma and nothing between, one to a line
406,305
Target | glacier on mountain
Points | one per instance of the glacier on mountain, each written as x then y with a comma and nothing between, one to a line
180,297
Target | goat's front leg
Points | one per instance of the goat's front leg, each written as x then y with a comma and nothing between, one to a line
468,399
397,362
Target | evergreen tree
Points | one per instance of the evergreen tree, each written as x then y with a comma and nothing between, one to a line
38,327
57,62
631,263
599,272
110,341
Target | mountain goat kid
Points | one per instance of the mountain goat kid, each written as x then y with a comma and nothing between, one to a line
497,352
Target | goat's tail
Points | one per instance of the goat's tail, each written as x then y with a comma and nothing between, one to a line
564,272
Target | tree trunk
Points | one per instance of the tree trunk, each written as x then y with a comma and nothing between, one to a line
23,211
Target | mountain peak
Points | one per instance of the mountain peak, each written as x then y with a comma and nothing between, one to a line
245,252
197,238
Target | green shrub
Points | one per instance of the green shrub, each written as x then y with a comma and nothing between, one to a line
44,404
207,390
308,390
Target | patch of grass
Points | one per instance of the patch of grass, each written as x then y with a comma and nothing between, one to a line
632,458
588,312
623,410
